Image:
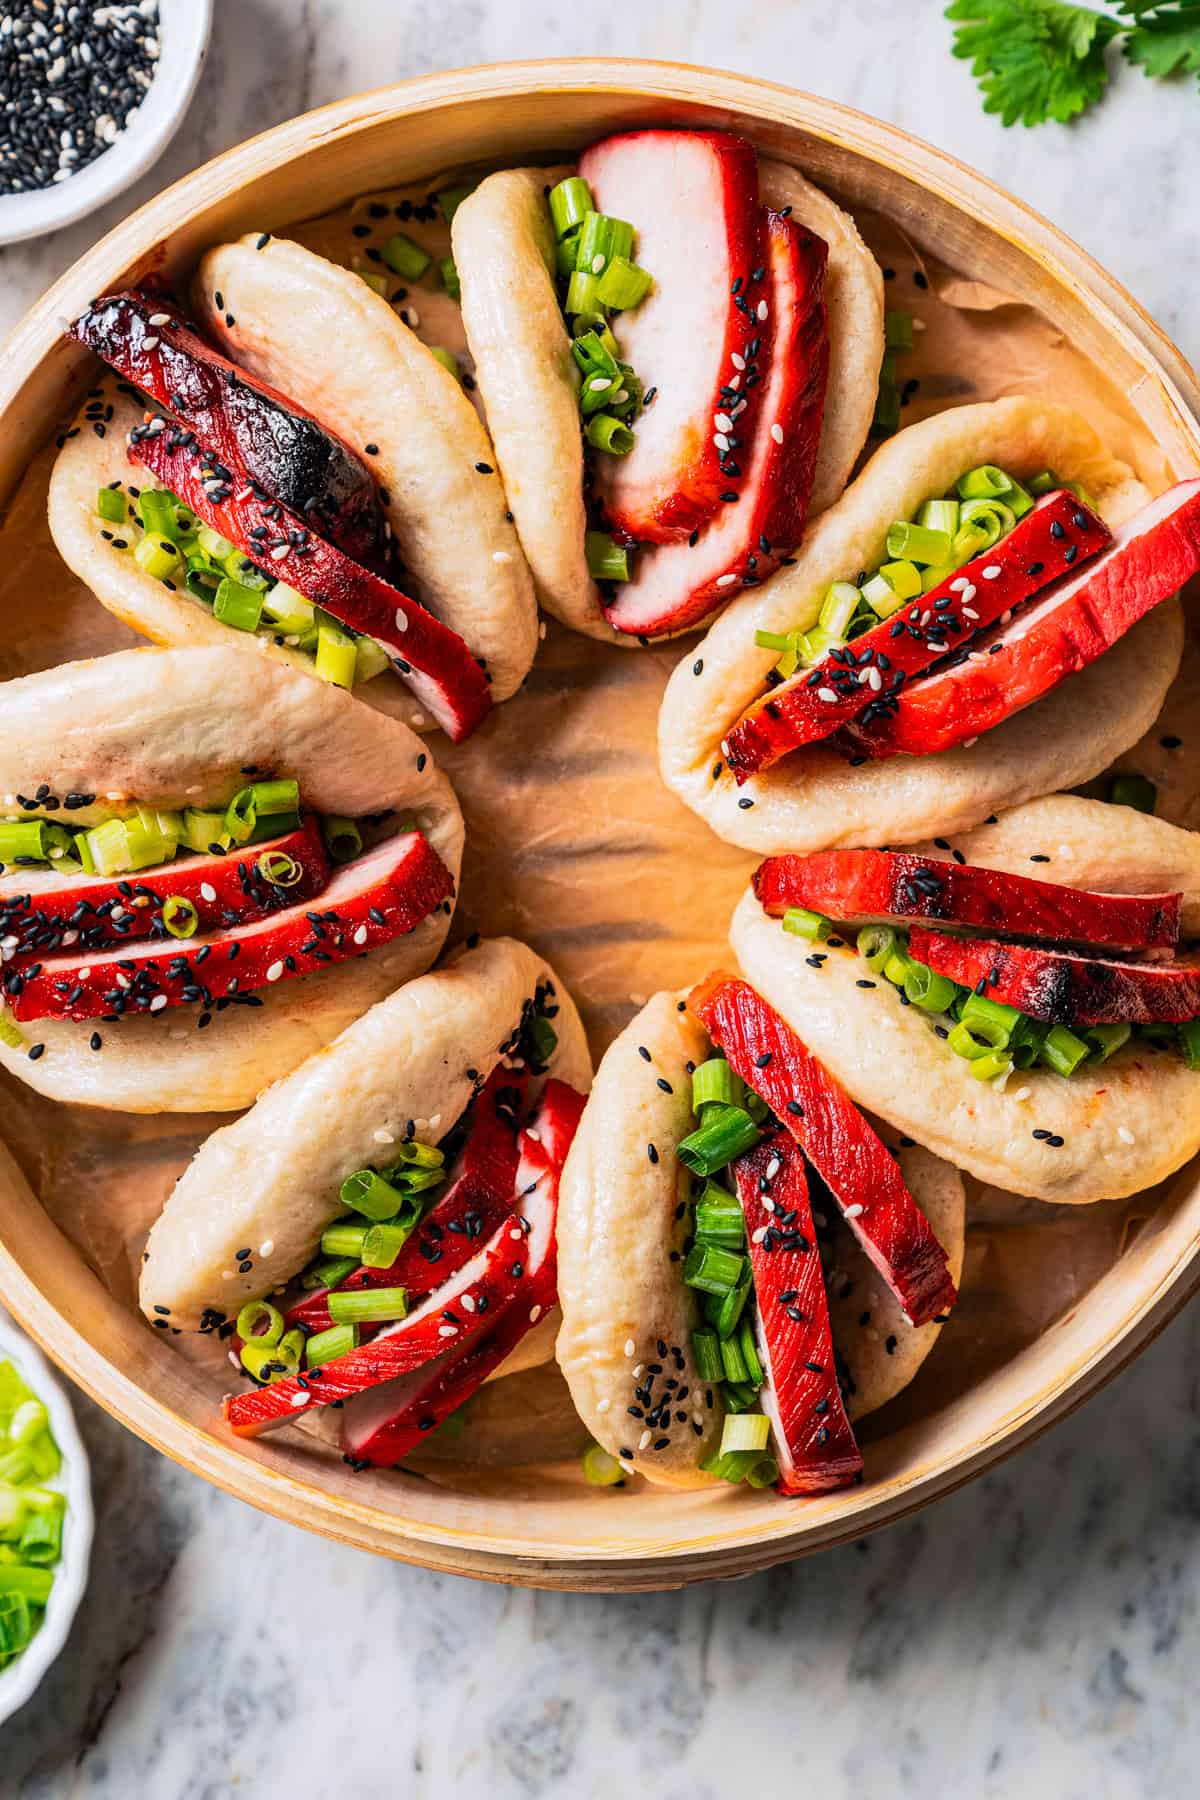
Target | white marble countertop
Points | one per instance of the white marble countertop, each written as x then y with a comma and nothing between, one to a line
1035,1635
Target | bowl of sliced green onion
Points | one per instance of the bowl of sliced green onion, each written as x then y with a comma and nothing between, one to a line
45,1518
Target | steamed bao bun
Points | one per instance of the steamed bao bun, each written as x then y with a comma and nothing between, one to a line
1125,1124
814,799
177,728
620,1217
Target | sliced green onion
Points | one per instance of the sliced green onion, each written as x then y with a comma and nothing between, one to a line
881,596
969,540
544,1039
706,1348
932,993
325,1346
898,330
268,1362
1018,499
111,505
712,1269
764,1474
606,559
623,285
23,839
370,660
451,198
601,239
157,555
726,1132
383,1244
368,1306
800,922
570,203
715,1083
918,543
838,607
447,359
1189,1042
990,1020
448,272
367,1192
1062,1050
986,482
991,1065
745,1431
329,1271
719,1218
1044,482
201,830
218,547
991,518
940,515
566,256
343,839
280,869
963,1044
875,943
377,283
260,1323
344,1238
337,656
406,258
237,605
1106,1040
121,846
600,1469
159,513
33,1584
886,418
10,1032
582,294
749,1349
256,812
608,434
733,1468
1137,791
739,1396
732,1363
724,1310
180,916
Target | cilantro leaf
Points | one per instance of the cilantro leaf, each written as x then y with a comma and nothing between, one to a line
1164,35
1034,59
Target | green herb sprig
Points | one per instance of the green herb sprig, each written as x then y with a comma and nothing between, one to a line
1046,59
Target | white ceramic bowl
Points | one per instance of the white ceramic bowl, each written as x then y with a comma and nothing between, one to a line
184,32
21,1677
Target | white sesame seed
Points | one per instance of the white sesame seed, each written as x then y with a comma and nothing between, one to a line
826,694
773,1167
228,1274
602,1406
265,1248
638,1371
761,310
360,936
468,1303
630,1346
383,1136
739,362
722,421
401,620
275,971
207,891
1126,1136
855,1211
597,263
726,580
299,1398
535,1313
150,343
759,1235
991,572
644,1440
158,1002
967,613
777,432
501,556
598,383
279,551
958,584
1023,1093
969,592
721,441
1006,617
447,1331
160,318
411,317
874,679
768,1203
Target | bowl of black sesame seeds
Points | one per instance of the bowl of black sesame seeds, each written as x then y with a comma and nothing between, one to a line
91,92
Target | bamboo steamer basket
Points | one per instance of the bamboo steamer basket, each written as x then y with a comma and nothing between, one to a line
541,1526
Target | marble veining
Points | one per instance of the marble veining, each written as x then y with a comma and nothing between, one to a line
1034,1635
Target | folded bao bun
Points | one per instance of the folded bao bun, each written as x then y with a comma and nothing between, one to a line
1125,1124
271,1179
319,334
815,799
622,1215
177,728
505,254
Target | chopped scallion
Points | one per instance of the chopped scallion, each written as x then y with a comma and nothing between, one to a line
406,258
724,1133
606,559
111,506
1137,791
800,922
713,1270
570,203
745,1431
706,1348
1062,1050
368,1306
324,1346
260,1323
715,1083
